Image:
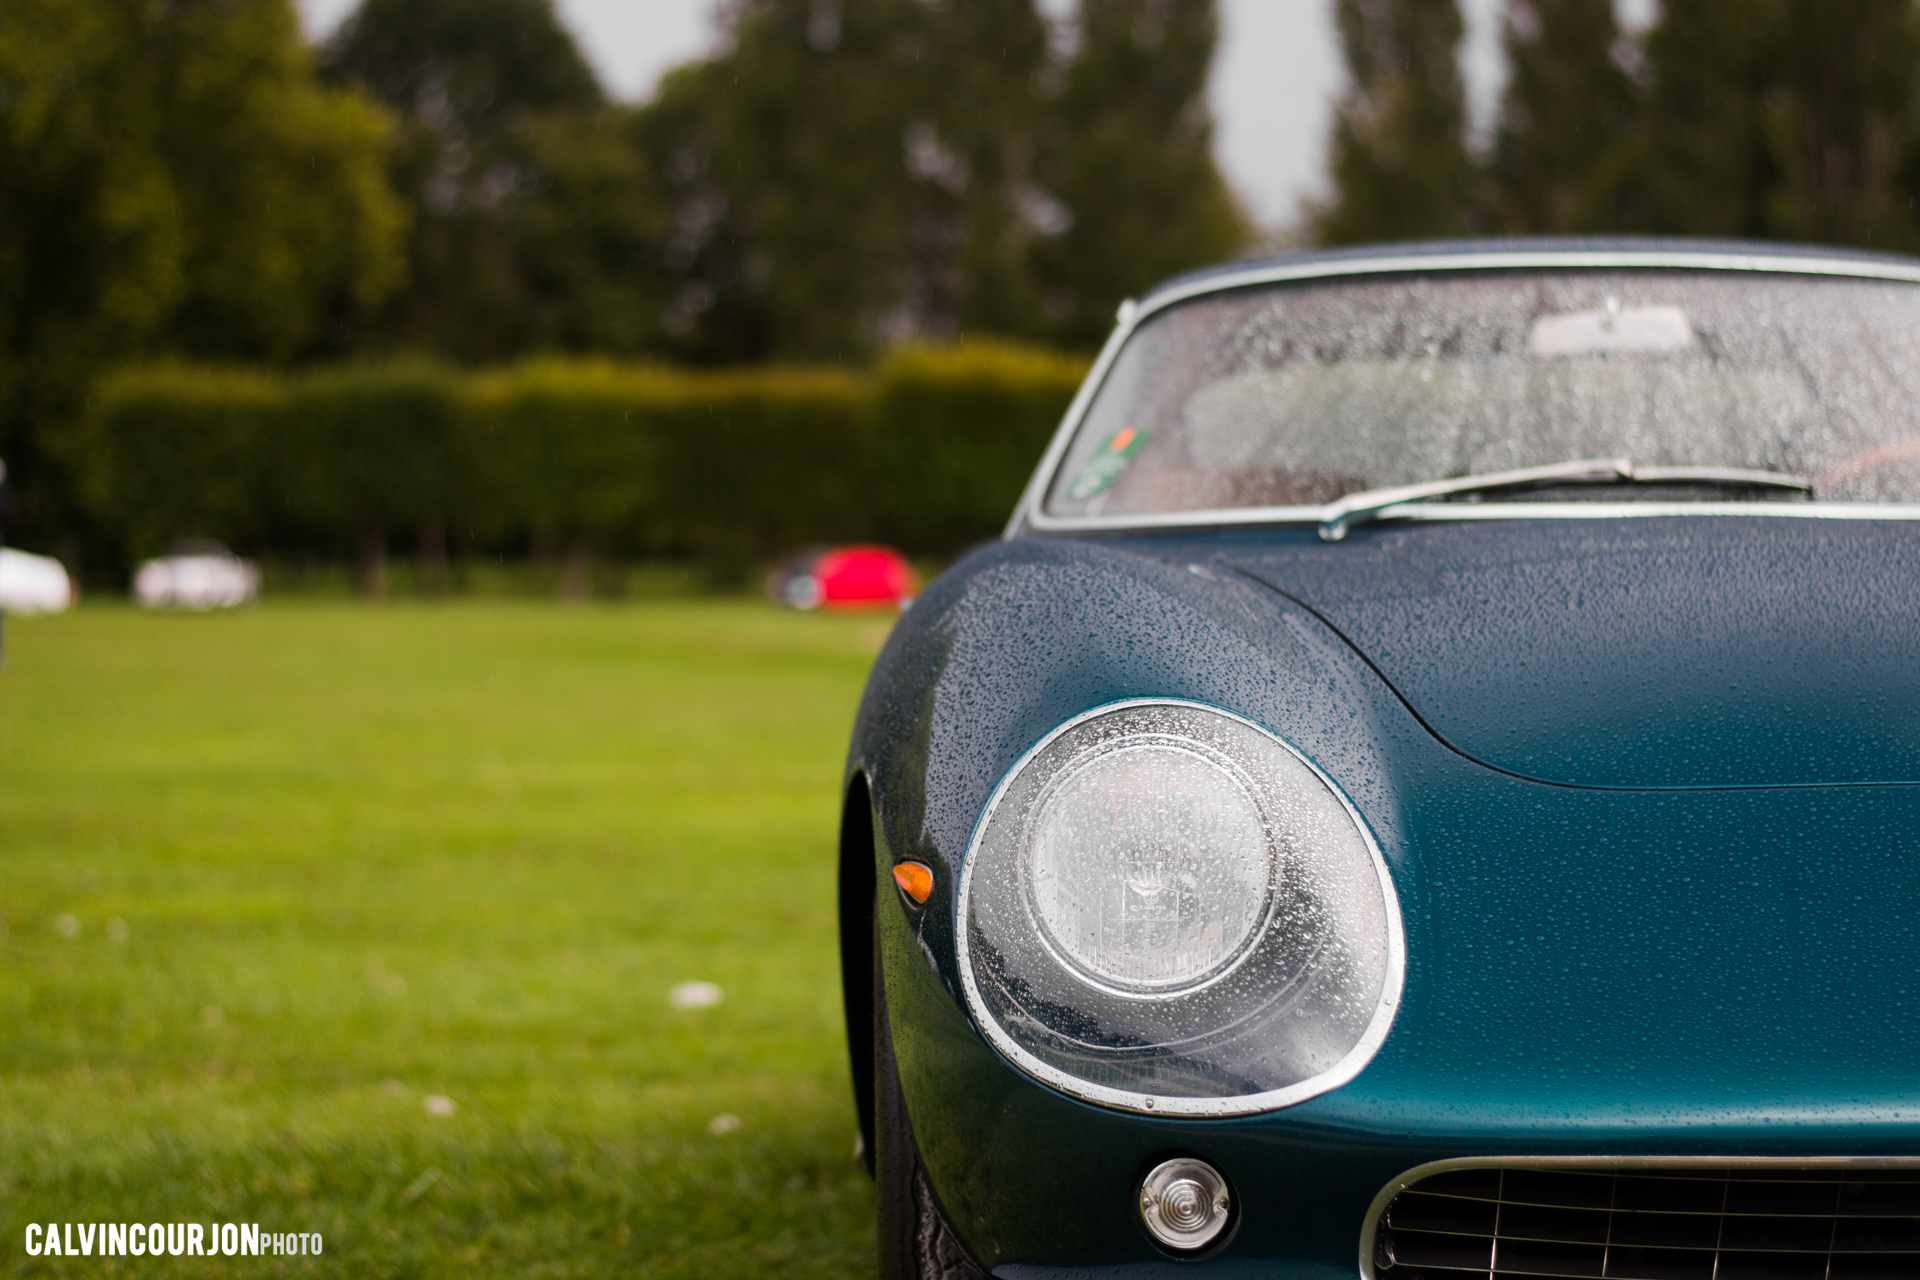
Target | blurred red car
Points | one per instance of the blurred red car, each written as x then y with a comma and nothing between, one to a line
858,577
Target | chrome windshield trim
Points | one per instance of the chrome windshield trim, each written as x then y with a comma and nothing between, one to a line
1035,495
1370,1226
1030,513
1525,260
1254,517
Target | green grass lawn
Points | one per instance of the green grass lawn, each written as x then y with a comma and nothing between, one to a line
272,880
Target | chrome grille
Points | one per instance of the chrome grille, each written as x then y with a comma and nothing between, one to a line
1729,1223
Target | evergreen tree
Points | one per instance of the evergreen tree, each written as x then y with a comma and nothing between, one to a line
786,164
584,230
1839,117
1783,119
1398,156
889,207
1565,152
467,68
976,222
536,224
931,188
1130,161
1709,166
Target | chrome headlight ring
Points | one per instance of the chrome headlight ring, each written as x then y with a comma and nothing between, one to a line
1165,908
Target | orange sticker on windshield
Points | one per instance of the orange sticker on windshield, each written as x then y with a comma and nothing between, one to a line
1098,473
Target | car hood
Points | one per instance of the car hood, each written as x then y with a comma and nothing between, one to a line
1589,971
1657,652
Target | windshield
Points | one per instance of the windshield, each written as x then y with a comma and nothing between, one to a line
1296,394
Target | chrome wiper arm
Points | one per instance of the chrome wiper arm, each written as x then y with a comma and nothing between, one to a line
1728,477
1367,505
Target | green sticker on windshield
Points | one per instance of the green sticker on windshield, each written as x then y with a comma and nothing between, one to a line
1105,466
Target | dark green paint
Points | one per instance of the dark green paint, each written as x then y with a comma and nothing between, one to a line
1592,969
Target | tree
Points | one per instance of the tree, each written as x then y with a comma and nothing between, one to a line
176,180
587,227
786,163
468,69
976,208
1398,154
1130,161
948,175
1783,119
895,205
1566,152
1839,119
537,225
1709,165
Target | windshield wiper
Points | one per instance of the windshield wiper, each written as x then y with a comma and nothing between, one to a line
1367,505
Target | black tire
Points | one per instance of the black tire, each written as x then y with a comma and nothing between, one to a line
915,1241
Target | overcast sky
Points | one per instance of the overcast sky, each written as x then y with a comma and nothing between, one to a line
1277,71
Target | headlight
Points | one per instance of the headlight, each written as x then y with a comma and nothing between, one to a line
1166,908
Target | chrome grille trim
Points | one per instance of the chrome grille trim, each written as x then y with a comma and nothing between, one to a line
1649,1218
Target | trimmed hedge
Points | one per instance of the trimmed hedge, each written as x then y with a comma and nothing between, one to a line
174,451
928,452
960,431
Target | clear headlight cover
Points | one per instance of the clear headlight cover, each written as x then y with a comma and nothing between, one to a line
1168,909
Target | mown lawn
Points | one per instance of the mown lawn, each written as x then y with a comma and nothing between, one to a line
273,880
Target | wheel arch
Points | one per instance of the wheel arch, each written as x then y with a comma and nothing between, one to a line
857,892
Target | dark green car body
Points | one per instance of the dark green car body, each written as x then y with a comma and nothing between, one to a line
1647,787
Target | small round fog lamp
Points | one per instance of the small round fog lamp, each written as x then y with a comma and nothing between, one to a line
1184,1204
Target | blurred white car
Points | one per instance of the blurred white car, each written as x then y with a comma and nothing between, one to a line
197,576
34,584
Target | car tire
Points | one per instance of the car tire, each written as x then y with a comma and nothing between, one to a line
915,1241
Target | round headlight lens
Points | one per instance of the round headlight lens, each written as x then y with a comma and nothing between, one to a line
1149,867
1167,908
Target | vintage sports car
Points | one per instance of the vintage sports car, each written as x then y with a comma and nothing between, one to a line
1427,787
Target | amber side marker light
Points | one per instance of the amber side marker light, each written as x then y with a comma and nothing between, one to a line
915,880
